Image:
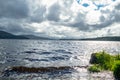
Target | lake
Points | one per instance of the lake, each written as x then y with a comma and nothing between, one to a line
51,53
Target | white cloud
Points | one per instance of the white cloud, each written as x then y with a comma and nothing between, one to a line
63,18
93,17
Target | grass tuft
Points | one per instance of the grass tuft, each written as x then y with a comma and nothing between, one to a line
116,71
104,61
94,68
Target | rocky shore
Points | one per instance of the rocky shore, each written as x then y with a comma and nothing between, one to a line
104,75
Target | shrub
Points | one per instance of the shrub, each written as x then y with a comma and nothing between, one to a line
117,57
104,60
116,71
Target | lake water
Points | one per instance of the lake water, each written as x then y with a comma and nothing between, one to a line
51,53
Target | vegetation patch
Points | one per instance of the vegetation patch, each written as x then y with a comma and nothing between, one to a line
94,68
116,71
103,61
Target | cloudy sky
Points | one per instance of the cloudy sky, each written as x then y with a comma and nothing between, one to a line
61,18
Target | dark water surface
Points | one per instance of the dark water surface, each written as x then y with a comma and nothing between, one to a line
51,53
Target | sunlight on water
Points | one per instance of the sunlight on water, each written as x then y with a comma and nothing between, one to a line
51,53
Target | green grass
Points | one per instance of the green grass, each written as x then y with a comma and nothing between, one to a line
94,68
104,61
117,57
116,71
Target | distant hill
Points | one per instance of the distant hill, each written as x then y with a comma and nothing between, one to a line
111,38
36,37
6,35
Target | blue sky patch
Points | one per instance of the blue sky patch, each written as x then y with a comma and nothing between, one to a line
113,0
85,4
78,1
98,6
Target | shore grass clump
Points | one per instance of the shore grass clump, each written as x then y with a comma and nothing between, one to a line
117,57
116,71
104,61
94,68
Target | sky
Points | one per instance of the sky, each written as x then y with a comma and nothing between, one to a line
61,18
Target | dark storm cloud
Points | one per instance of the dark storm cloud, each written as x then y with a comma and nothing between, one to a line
113,17
15,26
14,16
117,6
38,15
13,9
54,12
79,25
79,22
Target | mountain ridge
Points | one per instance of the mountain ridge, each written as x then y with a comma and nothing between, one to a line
7,35
107,38
36,37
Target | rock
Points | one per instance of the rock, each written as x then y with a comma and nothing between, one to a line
93,58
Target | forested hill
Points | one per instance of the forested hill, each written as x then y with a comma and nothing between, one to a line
112,38
6,35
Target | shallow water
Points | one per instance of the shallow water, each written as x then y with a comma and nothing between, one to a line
51,53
